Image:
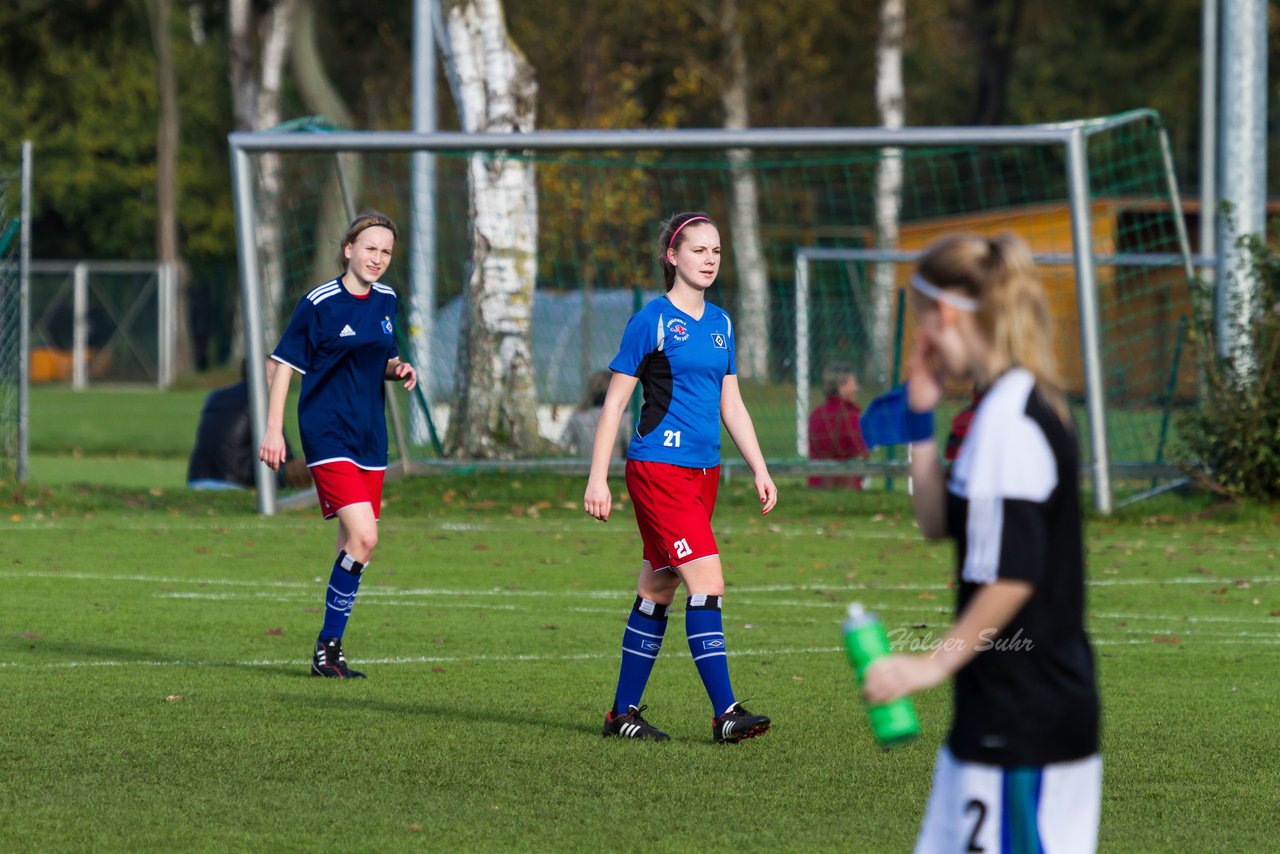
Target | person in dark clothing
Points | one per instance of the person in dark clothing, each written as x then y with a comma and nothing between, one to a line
224,455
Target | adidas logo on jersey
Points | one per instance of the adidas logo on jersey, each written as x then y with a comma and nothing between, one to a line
346,331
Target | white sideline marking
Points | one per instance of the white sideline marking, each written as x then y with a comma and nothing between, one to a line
411,659
732,590
1097,545
391,597
377,599
1269,640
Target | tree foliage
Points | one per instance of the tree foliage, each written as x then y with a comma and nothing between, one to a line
77,77
1232,438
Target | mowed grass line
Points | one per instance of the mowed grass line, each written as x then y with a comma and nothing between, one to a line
491,640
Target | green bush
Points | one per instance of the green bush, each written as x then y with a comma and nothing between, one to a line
1231,442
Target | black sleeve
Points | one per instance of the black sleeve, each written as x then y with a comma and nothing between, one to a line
1022,541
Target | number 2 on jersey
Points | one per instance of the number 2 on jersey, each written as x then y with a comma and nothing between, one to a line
671,438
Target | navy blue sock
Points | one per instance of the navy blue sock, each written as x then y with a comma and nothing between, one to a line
703,625
344,581
640,644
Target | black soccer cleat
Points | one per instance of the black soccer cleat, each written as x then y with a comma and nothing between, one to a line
328,660
737,724
631,725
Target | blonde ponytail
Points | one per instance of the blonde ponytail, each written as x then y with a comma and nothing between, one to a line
1013,311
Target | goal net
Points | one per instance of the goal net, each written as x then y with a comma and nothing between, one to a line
819,228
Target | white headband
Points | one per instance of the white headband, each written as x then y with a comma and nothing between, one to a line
951,298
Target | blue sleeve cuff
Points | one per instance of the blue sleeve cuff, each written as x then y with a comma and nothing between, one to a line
889,421
919,426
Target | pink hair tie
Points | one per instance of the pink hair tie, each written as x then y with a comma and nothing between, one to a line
682,225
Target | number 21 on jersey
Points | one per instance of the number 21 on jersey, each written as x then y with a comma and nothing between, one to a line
671,438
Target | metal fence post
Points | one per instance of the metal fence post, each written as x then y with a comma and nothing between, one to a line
80,326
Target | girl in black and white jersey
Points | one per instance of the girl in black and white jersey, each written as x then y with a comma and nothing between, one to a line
1020,769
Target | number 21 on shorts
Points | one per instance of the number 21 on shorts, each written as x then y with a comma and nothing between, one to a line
681,548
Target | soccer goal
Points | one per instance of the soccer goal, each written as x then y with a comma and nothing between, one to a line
811,268
15,255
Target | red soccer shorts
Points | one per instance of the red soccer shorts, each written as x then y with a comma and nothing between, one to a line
673,510
340,484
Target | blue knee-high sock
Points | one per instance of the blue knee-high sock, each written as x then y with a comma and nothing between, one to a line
640,644
705,629
344,581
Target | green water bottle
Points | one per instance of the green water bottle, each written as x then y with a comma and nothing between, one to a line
865,639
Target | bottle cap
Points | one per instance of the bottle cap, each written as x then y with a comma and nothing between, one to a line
856,611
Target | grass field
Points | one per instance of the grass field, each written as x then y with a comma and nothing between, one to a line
156,640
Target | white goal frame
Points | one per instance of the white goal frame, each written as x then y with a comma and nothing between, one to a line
1070,137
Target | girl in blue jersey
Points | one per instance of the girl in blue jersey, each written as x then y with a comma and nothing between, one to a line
680,349
1020,770
341,339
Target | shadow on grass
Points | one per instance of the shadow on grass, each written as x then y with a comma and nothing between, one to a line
431,708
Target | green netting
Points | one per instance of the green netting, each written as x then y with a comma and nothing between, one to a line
10,363
597,221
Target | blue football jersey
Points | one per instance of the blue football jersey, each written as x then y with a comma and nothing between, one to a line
681,364
341,345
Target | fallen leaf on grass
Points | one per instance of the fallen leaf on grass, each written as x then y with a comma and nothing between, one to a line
28,635
275,633
437,670
173,698
415,828
1166,639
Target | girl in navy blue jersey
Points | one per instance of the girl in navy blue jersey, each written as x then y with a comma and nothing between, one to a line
681,350
1020,770
341,338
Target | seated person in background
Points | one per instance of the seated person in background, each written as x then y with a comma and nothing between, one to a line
224,456
834,433
580,433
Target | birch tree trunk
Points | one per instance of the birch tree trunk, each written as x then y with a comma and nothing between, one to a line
744,217
495,407
256,97
890,103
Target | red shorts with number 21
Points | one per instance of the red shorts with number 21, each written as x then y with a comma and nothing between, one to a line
673,510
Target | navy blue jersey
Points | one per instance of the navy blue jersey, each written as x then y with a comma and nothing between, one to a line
681,364
341,345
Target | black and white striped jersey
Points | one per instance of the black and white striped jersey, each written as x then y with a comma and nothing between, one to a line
1029,697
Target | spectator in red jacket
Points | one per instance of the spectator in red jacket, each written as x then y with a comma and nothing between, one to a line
834,433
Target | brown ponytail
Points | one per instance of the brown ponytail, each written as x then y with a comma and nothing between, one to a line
1013,311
